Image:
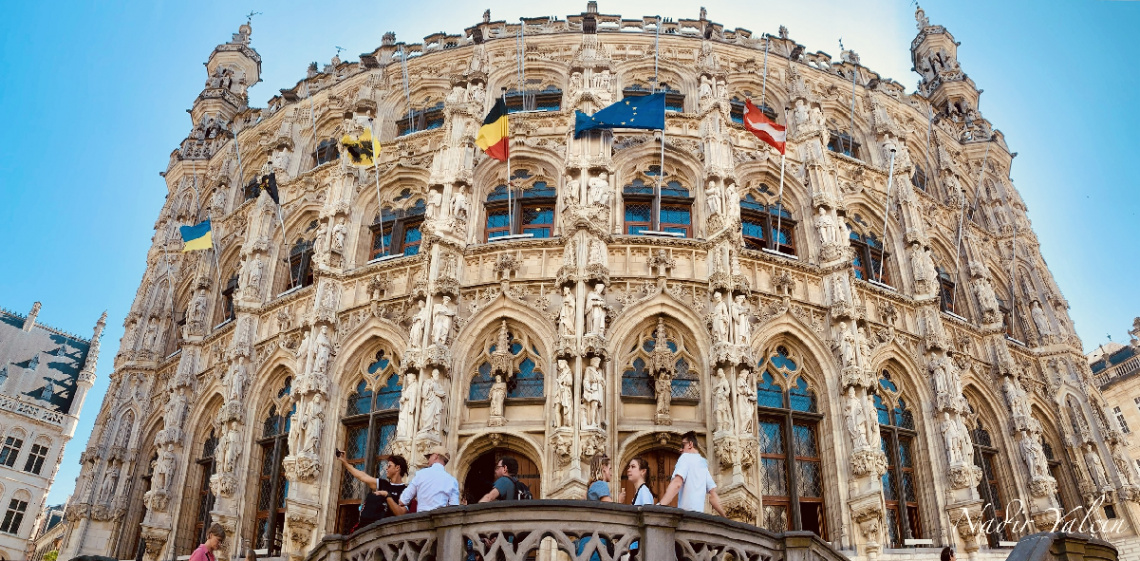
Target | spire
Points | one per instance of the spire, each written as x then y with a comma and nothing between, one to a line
31,321
93,352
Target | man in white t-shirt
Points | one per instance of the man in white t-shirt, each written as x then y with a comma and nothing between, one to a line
692,480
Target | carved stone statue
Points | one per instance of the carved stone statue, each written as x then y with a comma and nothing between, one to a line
825,224
434,202
150,340
498,396
431,416
236,382
1095,467
573,189
230,447
598,189
110,480
1039,318
176,409
987,300
315,424
566,314
458,204
597,248
322,351
198,310
847,346
409,402
720,319
564,406
731,202
951,439
163,469
442,315
742,323
593,393
1034,456
712,199
745,402
864,348
1123,465
663,390
705,94
596,306
722,399
419,319
338,233
856,419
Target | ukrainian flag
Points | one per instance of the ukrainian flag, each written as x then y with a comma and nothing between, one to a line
494,136
197,237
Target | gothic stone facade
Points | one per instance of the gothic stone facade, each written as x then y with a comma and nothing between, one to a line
45,375
869,385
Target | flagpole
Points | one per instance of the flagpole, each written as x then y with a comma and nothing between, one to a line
376,170
764,87
656,225
961,220
407,92
1012,282
886,213
854,73
929,145
780,195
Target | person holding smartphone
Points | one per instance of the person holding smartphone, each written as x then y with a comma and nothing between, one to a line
384,499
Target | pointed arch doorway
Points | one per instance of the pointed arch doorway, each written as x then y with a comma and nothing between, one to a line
481,477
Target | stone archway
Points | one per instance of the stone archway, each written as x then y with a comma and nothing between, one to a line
661,460
481,474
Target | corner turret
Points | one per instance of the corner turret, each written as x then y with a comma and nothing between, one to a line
934,54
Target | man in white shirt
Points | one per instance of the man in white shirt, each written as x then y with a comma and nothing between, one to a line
692,480
433,486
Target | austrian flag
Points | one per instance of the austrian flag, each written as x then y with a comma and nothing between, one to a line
764,128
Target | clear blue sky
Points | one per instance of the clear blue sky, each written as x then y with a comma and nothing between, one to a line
95,94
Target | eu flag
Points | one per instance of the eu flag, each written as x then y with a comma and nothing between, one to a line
641,112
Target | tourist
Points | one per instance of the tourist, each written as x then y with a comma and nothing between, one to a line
692,480
215,537
384,500
432,485
637,473
506,487
600,474
947,554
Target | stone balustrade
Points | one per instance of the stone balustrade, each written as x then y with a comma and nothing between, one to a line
556,530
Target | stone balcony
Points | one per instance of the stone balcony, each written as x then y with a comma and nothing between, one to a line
557,530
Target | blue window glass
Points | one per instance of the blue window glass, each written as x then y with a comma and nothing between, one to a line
673,189
537,221
481,384
389,395
768,394
685,384
753,229
412,240
638,187
540,189
360,401
857,265
903,416
636,381
801,397
528,381
883,411
782,361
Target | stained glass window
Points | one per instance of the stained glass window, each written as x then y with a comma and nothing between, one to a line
638,381
896,430
370,422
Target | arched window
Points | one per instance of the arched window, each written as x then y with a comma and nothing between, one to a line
642,212
1055,470
526,379
397,232
946,287
760,216
370,423
842,142
14,516
674,99
427,118
205,497
327,151
272,487
868,250
900,489
544,99
638,381
527,209
918,178
301,257
791,474
989,489
228,291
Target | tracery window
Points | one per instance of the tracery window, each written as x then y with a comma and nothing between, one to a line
638,381
869,254
272,487
989,489
427,118
760,216
205,497
546,99
527,209
370,416
397,232
791,474
674,99
676,207
896,429
327,151
841,142
527,379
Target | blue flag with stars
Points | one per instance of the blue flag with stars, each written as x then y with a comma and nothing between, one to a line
641,112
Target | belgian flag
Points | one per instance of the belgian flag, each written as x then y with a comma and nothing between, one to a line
494,136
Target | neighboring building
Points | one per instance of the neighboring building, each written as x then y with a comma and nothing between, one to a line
864,385
48,536
1116,371
45,374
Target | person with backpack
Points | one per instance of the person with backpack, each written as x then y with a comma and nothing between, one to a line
507,485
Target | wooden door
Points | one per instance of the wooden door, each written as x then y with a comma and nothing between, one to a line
661,463
480,478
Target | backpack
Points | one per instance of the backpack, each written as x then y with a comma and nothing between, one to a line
522,492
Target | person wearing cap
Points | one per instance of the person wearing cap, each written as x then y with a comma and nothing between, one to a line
432,485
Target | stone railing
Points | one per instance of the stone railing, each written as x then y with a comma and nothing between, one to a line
1059,546
16,405
555,530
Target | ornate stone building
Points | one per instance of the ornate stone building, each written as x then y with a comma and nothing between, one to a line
45,375
1116,371
870,386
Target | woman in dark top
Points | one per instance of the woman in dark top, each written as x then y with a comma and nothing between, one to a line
384,500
